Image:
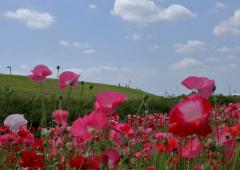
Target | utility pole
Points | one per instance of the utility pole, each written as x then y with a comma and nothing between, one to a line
58,69
229,90
10,70
129,84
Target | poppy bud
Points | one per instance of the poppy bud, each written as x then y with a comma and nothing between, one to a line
90,87
145,97
213,146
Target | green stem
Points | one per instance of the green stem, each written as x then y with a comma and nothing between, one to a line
68,102
43,122
140,107
79,101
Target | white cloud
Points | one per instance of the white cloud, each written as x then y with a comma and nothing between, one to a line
190,46
24,66
185,64
229,26
154,47
211,59
114,75
228,67
220,6
92,6
84,47
225,49
64,43
33,19
146,11
136,36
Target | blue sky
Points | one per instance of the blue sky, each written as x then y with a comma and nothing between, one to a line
154,44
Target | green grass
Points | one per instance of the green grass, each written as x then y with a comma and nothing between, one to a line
23,86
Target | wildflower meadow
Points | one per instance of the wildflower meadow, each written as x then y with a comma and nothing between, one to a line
195,134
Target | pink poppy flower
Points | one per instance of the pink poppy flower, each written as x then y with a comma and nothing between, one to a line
4,139
15,122
82,127
106,102
204,86
192,149
60,116
96,121
116,137
79,130
190,116
40,72
110,158
224,138
124,128
59,130
68,78
162,135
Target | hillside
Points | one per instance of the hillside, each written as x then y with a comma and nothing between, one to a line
23,86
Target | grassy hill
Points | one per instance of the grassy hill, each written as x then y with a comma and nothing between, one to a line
23,86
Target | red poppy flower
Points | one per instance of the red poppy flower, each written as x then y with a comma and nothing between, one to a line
68,78
40,72
190,116
204,86
95,163
30,159
150,168
78,162
172,144
38,143
160,148
3,129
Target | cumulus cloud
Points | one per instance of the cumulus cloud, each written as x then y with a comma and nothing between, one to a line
190,46
154,47
225,49
24,66
85,47
185,64
146,11
136,36
92,6
229,26
64,43
33,19
114,75
227,68
220,6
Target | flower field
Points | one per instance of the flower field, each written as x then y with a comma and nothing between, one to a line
196,133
